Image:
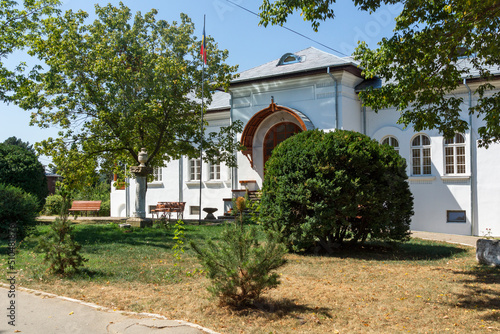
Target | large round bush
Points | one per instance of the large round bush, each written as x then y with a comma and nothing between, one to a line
18,210
321,189
20,167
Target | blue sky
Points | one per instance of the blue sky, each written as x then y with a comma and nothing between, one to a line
236,30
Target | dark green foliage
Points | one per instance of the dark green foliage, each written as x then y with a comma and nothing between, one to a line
321,189
61,251
239,266
18,142
99,190
18,208
53,205
20,167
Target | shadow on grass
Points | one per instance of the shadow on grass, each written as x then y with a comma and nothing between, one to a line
413,250
271,308
90,274
482,289
112,234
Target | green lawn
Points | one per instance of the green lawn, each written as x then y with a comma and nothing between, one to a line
417,287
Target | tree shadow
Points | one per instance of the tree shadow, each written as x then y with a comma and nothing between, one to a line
414,250
283,307
482,289
88,235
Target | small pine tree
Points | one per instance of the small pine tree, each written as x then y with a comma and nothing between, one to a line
240,267
61,251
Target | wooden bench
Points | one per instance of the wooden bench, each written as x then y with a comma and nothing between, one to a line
85,206
165,209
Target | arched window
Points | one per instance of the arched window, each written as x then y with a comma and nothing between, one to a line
289,58
421,155
276,135
391,141
454,155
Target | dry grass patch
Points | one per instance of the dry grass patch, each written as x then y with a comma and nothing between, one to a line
420,287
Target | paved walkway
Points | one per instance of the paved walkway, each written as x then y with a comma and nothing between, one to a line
466,240
35,312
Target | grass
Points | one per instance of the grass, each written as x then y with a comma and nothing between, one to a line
417,287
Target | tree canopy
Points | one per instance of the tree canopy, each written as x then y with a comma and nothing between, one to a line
122,83
18,142
436,44
19,167
18,25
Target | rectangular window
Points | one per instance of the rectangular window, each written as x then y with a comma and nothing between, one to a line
194,210
416,161
427,161
157,174
450,161
214,171
454,155
456,216
460,159
194,169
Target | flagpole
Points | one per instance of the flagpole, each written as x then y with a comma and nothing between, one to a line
203,52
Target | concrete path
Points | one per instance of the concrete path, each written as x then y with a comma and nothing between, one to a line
466,240
35,312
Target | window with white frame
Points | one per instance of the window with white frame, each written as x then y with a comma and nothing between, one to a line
157,174
391,141
454,155
214,171
194,169
421,155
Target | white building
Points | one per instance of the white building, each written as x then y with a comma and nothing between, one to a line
454,182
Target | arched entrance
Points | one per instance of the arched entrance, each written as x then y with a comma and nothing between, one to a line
276,135
259,127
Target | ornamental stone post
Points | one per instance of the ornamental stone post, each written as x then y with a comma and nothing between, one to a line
141,172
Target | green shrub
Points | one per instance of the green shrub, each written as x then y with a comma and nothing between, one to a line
53,205
321,189
61,251
105,208
20,167
240,267
97,192
17,208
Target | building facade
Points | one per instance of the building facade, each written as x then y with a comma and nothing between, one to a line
453,181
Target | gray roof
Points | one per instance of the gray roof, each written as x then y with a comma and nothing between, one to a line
220,101
312,59
474,72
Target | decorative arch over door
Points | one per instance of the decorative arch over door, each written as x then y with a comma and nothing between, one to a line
276,135
251,127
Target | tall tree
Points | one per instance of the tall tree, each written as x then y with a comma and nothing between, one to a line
19,167
18,142
122,83
18,25
436,44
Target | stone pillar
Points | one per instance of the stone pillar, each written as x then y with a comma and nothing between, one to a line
141,184
141,173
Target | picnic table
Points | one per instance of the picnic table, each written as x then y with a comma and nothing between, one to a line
165,209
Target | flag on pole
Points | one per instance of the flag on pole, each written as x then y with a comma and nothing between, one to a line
203,49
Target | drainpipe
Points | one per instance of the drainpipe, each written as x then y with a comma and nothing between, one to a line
472,166
234,170
181,179
336,98
127,195
364,120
